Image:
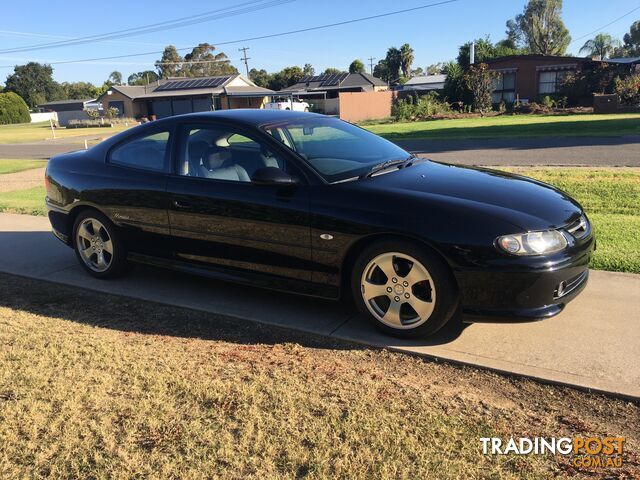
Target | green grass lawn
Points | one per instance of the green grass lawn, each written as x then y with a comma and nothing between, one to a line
8,165
94,386
509,126
34,132
28,202
610,197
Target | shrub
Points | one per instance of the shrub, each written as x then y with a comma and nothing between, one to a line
628,89
479,80
13,109
423,107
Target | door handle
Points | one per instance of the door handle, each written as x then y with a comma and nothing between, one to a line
181,204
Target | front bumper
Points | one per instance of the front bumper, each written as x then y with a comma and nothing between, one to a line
529,290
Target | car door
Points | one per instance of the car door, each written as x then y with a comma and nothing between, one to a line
220,219
135,196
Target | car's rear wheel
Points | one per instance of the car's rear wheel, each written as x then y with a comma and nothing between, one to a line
98,245
404,289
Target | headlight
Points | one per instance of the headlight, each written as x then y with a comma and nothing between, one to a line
532,243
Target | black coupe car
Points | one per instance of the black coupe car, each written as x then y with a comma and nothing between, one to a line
310,204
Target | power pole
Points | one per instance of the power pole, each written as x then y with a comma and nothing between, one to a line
245,58
371,59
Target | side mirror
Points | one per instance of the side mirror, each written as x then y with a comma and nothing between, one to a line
272,176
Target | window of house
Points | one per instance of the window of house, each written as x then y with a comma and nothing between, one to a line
550,82
146,153
504,88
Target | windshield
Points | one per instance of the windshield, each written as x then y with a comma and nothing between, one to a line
337,150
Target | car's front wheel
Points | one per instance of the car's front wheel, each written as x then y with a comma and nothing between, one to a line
98,245
404,289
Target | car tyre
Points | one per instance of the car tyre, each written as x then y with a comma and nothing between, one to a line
404,289
98,245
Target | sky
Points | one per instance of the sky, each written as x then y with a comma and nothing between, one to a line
434,33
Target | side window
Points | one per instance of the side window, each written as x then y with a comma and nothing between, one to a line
219,153
145,153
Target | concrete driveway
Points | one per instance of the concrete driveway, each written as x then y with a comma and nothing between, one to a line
593,344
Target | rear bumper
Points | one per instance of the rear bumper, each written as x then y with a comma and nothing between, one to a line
59,219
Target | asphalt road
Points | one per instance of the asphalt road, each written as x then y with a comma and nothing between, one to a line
576,151
561,151
593,344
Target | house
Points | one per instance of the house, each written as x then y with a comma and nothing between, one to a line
177,95
526,77
424,83
323,90
70,109
627,65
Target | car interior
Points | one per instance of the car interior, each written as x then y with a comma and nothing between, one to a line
224,155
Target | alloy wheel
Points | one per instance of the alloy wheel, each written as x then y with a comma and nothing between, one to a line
398,290
94,245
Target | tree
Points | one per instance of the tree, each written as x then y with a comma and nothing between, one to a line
628,89
417,72
393,62
142,78
332,71
406,59
600,46
78,90
308,70
202,62
381,70
632,40
435,68
115,78
479,79
34,83
356,66
171,62
540,28
260,77
13,109
484,50
286,77
454,86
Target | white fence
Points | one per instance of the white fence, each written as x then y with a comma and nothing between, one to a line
43,117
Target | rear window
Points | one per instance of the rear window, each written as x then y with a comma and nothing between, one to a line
144,153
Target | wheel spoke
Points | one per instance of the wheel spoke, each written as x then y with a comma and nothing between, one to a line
392,315
86,253
421,307
95,226
101,262
107,246
372,290
415,275
386,265
84,232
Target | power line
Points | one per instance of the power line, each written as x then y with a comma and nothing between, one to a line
245,58
262,37
246,7
605,26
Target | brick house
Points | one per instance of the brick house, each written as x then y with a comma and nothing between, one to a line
526,77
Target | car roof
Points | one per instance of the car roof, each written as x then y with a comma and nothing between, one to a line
254,117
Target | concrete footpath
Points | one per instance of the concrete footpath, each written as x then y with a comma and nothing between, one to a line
593,344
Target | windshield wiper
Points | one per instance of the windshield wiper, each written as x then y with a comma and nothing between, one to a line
398,163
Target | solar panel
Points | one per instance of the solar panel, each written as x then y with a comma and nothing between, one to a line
206,82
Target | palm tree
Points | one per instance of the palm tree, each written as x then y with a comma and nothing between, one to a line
600,46
393,62
406,59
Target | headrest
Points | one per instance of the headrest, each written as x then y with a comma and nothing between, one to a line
198,150
217,159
